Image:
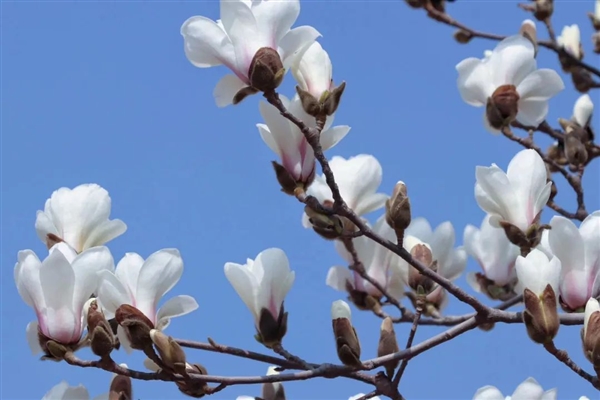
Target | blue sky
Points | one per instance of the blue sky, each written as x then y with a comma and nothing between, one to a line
102,92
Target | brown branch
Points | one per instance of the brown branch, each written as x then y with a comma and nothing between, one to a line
409,342
563,356
290,357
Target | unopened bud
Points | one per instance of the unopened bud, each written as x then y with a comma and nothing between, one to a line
194,388
388,345
397,210
582,79
575,151
528,30
136,326
332,101
540,315
515,235
543,9
502,107
596,42
417,281
120,388
556,153
415,3
591,332
169,351
266,70
462,36
346,339
288,184
56,350
272,390
310,104
595,18
270,330
102,340
328,226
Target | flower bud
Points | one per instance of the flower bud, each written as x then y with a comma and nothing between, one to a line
362,300
136,326
596,42
462,36
328,226
543,9
591,332
418,282
529,31
582,79
540,315
287,182
310,104
56,350
270,331
120,388
194,389
575,151
266,70
272,390
595,18
102,340
169,351
397,210
331,100
556,152
515,235
502,107
388,345
346,340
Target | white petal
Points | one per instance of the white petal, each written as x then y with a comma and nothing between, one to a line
340,309
590,234
128,271
226,89
63,391
591,307
497,186
442,242
552,394
111,293
474,83
541,84
528,178
295,41
331,137
123,340
455,265
27,279
532,112
421,229
488,393
528,390
337,277
473,282
566,243
245,284
511,61
86,267
206,44
33,340
175,307
583,109
45,226
312,70
371,203
104,233
277,279
151,365
244,32
487,204
275,18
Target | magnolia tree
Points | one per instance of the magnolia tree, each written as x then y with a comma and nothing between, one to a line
397,268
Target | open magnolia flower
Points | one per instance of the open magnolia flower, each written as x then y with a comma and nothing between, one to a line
358,179
262,284
57,289
450,262
570,40
142,284
528,390
380,263
253,39
516,197
579,253
287,141
496,256
509,84
536,271
79,217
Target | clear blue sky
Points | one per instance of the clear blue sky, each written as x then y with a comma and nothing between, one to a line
102,92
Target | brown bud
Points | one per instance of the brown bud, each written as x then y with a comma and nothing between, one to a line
266,70
388,345
462,36
415,3
56,350
543,9
540,315
595,21
582,79
502,107
556,153
346,340
332,100
136,326
575,151
596,42
120,388
194,389
169,351
270,331
591,338
514,234
243,93
102,340
418,282
397,210
328,226
310,104
287,182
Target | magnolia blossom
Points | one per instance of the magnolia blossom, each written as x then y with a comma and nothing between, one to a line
583,109
313,71
262,283
358,179
358,396
494,253
512,63
536,271
287,141
244,28
57,289
142,284
380,263
570,40
79,217
579,253
517,196
527,390
451,262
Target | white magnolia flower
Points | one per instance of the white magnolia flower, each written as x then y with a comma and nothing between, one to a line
570,40
57,289
287,141
245,27
591,307
511,63
494,253
262,283
79,216
358,179
451,262
527,390
579,253
516,196
583,109
380,263
358,396
313,71
142,284
536,271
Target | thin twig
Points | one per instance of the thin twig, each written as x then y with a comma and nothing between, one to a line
409,342
290,357
563,356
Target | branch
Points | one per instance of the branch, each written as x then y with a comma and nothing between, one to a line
409,342
563,356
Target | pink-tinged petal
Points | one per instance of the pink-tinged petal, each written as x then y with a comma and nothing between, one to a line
294,42
474,83
243,31
532,112
575,288
541,84
497,186
338,276
583,110
206,44
27,279
128,271
331,137
590,234
33,340
528,179
226,89
276,281
104,233
528,390
511,61
245,284
160,272
566,244
124,340
175,307
112,293
488,393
